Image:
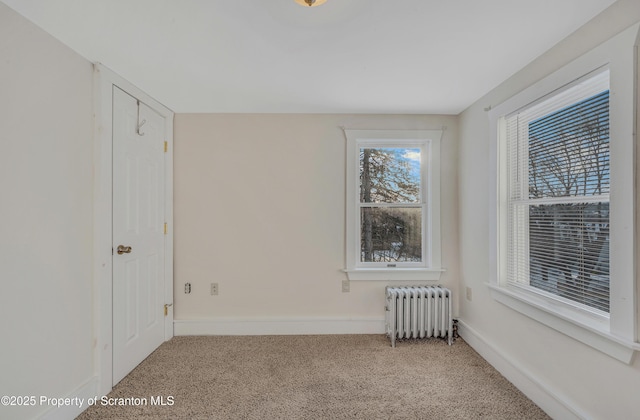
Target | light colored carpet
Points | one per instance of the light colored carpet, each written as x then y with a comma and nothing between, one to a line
316,377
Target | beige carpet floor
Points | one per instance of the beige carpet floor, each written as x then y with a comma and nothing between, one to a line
314,377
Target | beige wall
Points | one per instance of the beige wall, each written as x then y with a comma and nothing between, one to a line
592,384
46,208
260,209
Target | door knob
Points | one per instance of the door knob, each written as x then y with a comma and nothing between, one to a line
123,249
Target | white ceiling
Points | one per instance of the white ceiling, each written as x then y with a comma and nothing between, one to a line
346,56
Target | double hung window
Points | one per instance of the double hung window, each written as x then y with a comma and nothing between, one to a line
563,199
393,229
558,194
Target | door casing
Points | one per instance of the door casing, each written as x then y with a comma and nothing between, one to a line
104,80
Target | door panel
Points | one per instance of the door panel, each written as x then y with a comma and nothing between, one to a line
138,222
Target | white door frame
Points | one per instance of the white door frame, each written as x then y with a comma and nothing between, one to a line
104,80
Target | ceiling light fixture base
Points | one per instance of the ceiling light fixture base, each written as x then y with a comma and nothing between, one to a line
310,3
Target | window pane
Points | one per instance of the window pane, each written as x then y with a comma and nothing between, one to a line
389,175
569,251
390,234
569,150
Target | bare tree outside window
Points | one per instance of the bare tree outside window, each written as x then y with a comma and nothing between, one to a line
568,154
391,212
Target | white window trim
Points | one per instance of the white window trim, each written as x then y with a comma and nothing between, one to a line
616,335
430,141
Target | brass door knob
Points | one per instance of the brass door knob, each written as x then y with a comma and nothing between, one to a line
123,249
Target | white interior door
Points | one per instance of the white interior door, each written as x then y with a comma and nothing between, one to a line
138,232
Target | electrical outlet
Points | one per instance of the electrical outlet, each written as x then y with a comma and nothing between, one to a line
345,286
187,288
469,293
214,289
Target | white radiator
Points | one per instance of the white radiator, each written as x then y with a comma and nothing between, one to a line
418,312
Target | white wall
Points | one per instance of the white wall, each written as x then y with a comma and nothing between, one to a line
260,209
46,208
564,376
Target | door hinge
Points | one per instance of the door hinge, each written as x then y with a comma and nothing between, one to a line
165,228
166,146
166,308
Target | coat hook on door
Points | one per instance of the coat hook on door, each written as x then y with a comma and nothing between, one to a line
140,123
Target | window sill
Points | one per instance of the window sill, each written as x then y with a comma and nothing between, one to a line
397,274
590,331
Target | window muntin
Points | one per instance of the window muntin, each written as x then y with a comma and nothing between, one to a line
558,194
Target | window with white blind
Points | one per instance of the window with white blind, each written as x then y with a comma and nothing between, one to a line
563,200
558,194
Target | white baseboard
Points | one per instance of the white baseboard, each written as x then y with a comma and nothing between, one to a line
279,326
555,403
83,394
